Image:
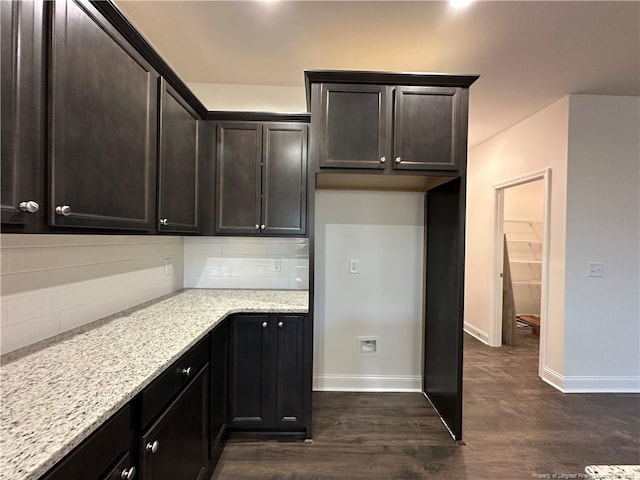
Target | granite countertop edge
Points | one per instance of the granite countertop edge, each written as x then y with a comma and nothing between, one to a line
35,469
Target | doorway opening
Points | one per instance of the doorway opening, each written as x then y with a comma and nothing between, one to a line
520,287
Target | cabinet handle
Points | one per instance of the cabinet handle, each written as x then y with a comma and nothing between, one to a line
128,473
383,159
257,227
186,371
398,160
163,221
30,206
264,324
64,210
152,447
280,324
262,227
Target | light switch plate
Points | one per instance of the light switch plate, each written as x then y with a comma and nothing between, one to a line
277,264
595,269
354,266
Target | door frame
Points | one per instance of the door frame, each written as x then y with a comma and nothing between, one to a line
495,330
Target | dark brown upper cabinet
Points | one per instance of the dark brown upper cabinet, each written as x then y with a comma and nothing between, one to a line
178,165
261,178
426,130
21,115
103,124
354,126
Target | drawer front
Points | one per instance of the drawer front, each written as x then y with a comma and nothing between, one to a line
96,457
165,388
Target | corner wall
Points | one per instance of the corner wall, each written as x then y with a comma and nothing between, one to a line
602,314
536,143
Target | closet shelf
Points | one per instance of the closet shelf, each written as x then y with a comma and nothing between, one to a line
530,283
530,262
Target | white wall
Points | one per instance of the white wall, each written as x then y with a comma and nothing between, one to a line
252,98
524,202
537,142
246,262
602,322
54,283
384,232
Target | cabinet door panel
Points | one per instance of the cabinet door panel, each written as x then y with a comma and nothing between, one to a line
238,177
249,389
182,433
179,168
426,128
103,124
22,113
354,126
219,387
290,374
284,179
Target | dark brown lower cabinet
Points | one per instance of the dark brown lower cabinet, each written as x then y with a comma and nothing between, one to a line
176,446
266,373
219,388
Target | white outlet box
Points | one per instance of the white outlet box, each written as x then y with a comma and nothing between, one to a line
368,346
277,264
168,267
595,269
354,266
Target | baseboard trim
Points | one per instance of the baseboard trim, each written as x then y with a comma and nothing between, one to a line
367,383
553,378
601,384
477,333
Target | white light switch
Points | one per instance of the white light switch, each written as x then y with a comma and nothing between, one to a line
353,265
596,269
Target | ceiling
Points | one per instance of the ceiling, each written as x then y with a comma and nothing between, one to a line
528,53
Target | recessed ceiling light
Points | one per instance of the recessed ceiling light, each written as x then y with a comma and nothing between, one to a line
460,3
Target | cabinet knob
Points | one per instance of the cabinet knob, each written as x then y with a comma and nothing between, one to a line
30,206
64,210
398,160
264,324
280,324
383,159
163,221
152,447
257,227
262,227
185,371
128,473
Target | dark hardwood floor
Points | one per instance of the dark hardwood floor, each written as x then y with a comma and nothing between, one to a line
515,426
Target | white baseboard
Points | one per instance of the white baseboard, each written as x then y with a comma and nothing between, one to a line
553,378
476,333
367,383
601,384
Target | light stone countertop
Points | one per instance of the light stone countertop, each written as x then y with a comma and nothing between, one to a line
57,392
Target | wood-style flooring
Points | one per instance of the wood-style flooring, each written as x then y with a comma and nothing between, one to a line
515,426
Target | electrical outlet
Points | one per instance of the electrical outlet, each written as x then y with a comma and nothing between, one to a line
277,265
167,267
595,269
354,267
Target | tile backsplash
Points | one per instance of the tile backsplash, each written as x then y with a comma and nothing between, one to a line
53,283
241,262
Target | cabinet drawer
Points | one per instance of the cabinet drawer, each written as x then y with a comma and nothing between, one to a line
168,385
100,454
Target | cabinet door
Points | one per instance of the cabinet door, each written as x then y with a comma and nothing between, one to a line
21,113
250,372
284,179
177,444
219,387
178,166
290,372
426,128
354,126
238,178
103,124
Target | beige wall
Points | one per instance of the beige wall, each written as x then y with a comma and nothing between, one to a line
536,143
54,283
251,98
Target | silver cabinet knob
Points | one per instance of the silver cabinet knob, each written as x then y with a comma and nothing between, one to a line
186,371
262,227
152,447
264,324
257,227
280,324
163,221
64,210
383,159
30,206
128,473
398,160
